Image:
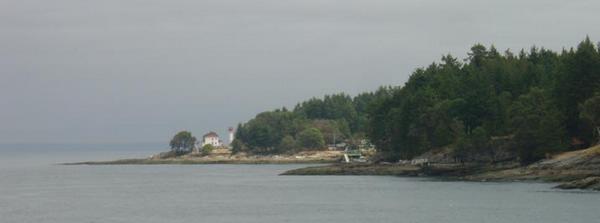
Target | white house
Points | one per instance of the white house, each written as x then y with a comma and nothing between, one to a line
211,138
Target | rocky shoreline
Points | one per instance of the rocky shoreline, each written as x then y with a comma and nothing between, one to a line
450,170
193,162
572,170
567,180
225,157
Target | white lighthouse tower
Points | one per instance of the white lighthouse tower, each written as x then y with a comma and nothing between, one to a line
230,135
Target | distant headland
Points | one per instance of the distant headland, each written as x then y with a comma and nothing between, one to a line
531,115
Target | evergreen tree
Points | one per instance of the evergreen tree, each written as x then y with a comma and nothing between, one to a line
590,113
537,126
538,98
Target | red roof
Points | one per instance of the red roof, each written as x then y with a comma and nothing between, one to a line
210,134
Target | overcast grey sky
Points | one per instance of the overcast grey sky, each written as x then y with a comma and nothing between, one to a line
91,71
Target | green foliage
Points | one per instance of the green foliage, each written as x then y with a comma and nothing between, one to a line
577,79
288,144
311,138
533,96
331,107
183,142
238,146
536,98
590,113
331,129
537,126
207,149
265,133
468,146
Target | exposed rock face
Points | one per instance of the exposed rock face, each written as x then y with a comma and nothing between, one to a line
585,160
576,165
590,183
576,170
579,169
358,169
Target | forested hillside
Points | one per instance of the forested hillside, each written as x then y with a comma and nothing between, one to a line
541,101
312,124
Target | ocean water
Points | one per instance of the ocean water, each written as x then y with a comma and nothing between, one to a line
33,188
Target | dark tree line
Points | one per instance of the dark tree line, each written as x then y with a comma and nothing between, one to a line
534,98
312,124
542,101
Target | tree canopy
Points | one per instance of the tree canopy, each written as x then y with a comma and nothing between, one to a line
183,142
532,98
311,138
590,113
539,99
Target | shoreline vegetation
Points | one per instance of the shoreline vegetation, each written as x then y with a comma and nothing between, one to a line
492,116
572,170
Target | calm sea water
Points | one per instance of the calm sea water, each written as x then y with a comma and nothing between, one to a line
34,189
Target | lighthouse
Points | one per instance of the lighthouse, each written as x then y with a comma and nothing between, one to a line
230,135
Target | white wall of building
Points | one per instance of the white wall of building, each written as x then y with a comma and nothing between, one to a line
211,140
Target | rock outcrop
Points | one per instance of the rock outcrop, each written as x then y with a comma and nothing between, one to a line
589,183
576,170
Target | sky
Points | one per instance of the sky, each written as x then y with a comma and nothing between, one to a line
121,71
